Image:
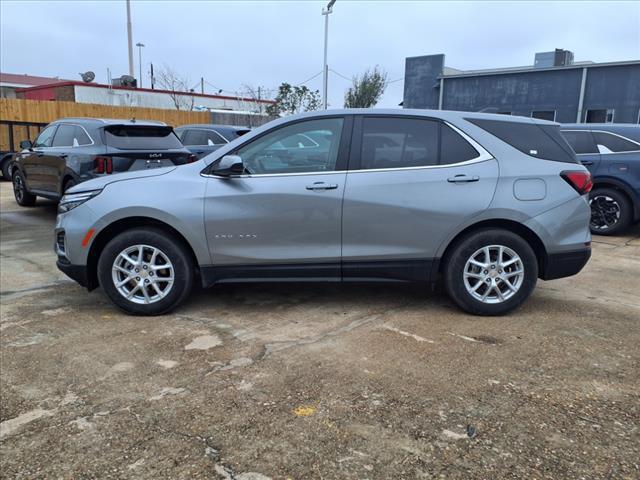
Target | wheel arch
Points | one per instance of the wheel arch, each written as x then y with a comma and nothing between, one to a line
519,229
122,225
610,182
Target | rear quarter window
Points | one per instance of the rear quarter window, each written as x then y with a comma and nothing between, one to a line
538,141
130,137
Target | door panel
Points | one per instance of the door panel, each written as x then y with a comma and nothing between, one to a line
275,219
286,209
408,213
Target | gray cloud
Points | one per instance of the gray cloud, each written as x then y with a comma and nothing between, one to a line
265,43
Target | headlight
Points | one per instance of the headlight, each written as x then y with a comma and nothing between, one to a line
72,200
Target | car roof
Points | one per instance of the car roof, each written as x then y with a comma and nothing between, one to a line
442,114
214,126
105,122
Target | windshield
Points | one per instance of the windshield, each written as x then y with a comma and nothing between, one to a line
143,137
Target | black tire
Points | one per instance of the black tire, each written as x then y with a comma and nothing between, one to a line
611,211
456,263
175,252
22,196
4,166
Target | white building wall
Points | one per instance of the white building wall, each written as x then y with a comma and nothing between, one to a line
138,98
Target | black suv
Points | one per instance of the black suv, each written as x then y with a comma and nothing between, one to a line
611,152
202,139
72,150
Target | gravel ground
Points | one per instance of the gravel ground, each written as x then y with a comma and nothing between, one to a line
251,382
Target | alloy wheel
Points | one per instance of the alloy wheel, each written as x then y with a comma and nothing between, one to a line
142,274
605,212
18,187
493,274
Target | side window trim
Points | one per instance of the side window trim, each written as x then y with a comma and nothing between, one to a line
355,160
73,146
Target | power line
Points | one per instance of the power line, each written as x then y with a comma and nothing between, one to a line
340,75
309,79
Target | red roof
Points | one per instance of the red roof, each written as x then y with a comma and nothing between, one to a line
63,83
29,80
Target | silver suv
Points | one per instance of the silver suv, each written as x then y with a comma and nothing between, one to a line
486,202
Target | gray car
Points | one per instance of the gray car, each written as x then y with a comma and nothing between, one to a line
487,203
201,139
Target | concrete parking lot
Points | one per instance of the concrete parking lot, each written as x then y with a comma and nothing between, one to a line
316,381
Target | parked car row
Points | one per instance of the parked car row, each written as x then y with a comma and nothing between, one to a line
485,203
70,151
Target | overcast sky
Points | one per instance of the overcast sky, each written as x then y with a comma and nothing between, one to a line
264,43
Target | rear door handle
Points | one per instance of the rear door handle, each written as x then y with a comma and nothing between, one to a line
587,162
322,186
463,179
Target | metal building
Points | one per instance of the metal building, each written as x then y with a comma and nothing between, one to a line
554,88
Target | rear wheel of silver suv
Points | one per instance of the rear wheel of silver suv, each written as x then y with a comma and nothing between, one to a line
490,272
145,271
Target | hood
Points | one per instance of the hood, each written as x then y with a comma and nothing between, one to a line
101,182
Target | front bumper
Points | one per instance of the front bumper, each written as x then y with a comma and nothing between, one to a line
565,264
74,272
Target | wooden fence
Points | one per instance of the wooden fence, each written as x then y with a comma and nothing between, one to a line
23,119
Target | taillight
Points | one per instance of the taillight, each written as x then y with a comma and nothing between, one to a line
103,165
191,158
579,179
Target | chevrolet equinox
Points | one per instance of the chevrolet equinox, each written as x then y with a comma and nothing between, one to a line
487,203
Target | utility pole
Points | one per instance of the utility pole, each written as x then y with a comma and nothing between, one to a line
140,45
153,81
129,35
202,85
325,70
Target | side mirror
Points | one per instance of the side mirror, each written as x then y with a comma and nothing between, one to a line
26,145
227,166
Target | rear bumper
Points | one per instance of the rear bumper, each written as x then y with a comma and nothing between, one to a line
74,272
565,264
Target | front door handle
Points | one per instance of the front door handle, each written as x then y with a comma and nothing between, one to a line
463,179
322,186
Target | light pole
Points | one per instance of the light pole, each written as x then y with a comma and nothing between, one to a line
129,35
325,70
140,45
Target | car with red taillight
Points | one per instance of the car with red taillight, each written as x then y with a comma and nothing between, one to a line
72,150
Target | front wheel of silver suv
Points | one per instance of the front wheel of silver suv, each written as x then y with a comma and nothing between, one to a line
490,272
145,271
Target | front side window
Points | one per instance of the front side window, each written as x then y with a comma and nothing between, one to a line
398,143
614,143
581,141
46,137
308,146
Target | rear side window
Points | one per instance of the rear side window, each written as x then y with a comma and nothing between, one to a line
581,141
615,143
454,148
71,136
539,141
64,136
398,142
130,137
